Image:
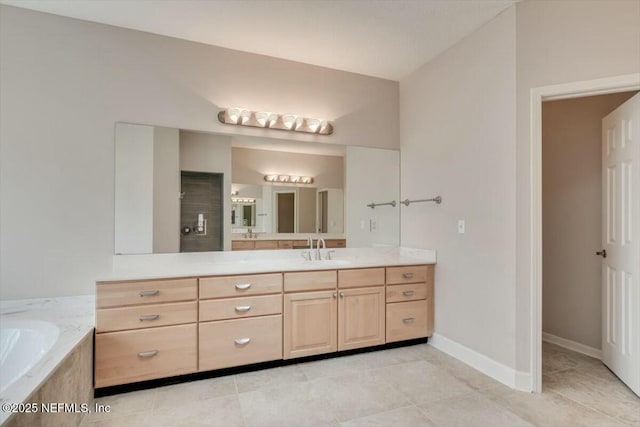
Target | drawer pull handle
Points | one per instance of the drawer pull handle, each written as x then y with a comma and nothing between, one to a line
149,353
242,341
408,320
150,293
407,275
243,286
243,308
149,317
408,293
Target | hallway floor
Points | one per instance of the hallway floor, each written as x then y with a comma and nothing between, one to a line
410,386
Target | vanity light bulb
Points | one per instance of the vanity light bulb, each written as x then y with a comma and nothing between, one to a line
294,179
313,125
289,121
234,115
283,178
245,115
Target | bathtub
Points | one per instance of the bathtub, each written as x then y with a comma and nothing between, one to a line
22,344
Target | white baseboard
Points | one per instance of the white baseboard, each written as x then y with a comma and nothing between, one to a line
572,345
496,370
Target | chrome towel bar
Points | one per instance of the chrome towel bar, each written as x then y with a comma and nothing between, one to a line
373,205
437,199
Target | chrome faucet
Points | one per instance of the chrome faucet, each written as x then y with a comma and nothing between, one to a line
307,255
324,246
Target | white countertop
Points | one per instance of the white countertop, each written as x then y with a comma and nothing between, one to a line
75,318
157,266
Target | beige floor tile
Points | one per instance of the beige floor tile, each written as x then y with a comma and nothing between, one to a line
334,367
358,395
193,391
471,409
218,412
123,404
422,382
607,396
269,378
465,373
409,416
549,409
132,420
294,404
394,356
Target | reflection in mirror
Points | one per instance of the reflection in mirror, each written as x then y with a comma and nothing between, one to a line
174,192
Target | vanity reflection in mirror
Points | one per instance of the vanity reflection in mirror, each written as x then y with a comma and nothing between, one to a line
188,191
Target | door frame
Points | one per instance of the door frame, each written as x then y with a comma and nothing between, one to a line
276,209
579,89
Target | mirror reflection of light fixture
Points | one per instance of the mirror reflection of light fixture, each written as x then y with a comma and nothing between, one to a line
263,119
243,201
289,179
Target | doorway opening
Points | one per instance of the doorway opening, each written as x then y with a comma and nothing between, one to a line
285,212
538,95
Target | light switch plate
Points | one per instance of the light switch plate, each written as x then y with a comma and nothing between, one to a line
461,226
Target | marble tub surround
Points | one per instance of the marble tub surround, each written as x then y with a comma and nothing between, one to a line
74,316
157,266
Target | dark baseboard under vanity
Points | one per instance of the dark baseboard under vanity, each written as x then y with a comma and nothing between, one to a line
161,382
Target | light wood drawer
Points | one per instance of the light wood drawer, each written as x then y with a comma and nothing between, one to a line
310,280
145,316
145,292
410,292
406,320
285,244
234,308
239,245
237,286
238,342
408,274
360,277
266,244
130,356
336,243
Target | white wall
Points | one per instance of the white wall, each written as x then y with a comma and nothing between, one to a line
558,42
166,187
572,216
64,83
457,140
134,189
206,152
372,175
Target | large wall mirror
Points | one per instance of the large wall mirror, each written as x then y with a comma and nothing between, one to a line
188,191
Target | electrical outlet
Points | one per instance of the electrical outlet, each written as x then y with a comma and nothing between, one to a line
461,226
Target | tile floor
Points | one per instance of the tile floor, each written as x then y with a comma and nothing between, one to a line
410,386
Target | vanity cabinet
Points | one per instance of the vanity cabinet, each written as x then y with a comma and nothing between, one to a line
145,330
240,320
151,329
409,297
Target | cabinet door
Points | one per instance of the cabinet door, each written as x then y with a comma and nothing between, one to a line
310,323
361,318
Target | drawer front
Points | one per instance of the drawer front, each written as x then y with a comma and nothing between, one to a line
130,356
336,243
360,277
410,292
239,245
285,244
408,274
237,286
145,316
266,244
407,320
240,342
310,280
235,308
145,292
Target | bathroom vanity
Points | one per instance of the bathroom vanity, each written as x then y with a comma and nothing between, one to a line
234,312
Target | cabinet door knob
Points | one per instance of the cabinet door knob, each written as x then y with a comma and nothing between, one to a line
150,293
243,286
341,294
408,293
408,320
149,353
149,317
407,275
242,341
335,294
243,308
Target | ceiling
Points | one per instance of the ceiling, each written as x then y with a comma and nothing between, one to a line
381,38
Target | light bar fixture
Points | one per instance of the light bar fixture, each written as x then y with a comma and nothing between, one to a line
259,119
243,201
289,179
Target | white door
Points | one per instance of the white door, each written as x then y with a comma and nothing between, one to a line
621,240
